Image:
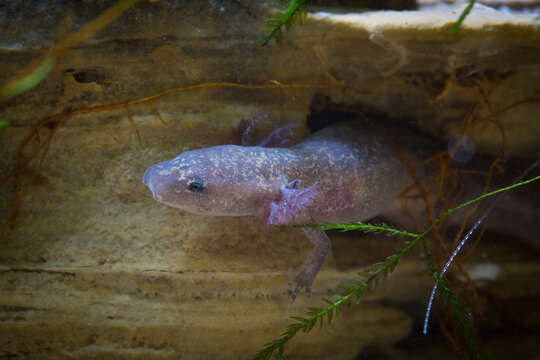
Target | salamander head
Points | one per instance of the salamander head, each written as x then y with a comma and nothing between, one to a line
223,180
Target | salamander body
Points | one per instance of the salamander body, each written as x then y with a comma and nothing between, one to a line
346,172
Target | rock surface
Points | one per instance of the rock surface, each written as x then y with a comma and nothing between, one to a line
94,268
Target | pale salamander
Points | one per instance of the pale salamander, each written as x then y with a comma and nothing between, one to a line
346,172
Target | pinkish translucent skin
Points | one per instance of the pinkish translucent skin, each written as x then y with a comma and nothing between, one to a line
339,174
292,204
356,172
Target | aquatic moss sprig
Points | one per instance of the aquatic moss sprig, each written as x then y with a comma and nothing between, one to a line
295,13
367,228
355,289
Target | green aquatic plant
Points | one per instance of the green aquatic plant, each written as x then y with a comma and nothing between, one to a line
462,17
295,13
3,123
368,280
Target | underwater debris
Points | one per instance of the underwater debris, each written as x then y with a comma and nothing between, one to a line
461,148
393,48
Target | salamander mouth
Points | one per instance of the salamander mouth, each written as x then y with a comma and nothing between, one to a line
149,178
147,175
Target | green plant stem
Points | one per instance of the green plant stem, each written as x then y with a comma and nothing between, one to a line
462,17
481,197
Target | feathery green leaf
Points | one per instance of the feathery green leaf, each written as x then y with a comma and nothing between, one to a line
296,13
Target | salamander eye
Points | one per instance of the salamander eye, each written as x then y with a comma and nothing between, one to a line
196,185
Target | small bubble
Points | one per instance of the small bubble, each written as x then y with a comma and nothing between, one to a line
461,148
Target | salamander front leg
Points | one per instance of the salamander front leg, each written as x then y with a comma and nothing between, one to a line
314,262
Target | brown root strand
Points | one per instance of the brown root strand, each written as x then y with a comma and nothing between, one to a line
130,118
157,114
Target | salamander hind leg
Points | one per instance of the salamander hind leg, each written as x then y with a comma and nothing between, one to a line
314,262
